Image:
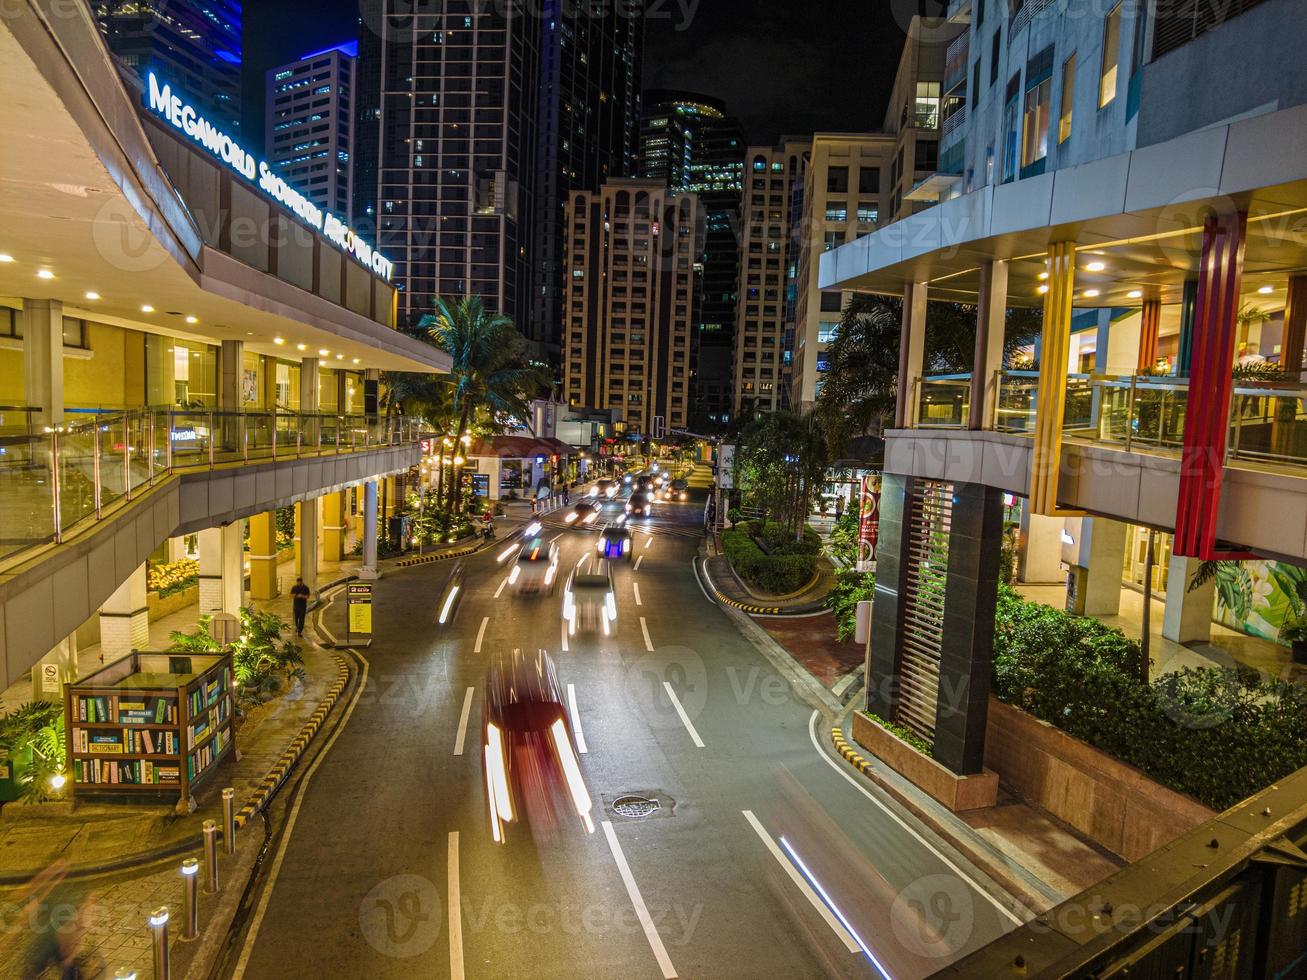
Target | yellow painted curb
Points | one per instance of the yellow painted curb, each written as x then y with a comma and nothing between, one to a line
858,761
428,559
277,774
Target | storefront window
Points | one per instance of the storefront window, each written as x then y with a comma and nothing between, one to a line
180,373
510,474
251,381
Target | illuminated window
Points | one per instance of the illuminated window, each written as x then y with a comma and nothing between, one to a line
1068,98
1111,46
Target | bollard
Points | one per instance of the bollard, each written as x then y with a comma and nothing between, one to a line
159,937
229,820
190,905
210,857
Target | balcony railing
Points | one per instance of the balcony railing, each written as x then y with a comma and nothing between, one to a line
1268,420
55,478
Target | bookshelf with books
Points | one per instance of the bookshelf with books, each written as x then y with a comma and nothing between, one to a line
149,724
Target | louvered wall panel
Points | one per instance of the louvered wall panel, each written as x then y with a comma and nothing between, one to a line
929,517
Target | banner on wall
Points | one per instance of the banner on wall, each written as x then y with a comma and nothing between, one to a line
868,522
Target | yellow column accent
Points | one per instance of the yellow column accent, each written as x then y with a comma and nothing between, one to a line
1050,400
263,555
333,526
297,509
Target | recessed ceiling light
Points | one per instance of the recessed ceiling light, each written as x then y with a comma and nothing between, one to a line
1135,293
92,295
1266,289
6,257
147,308
279,340
301,346
45,274
192,319
340,357
1042,289
1043,275
1096,266
1091,293
323,352
356,360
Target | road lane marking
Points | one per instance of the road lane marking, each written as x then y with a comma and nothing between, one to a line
462,722
812,735
694,566
641,910
639,558
576,720
262,909
644,628
799,882
455,912
830,904
648,542
565,636
685,719
499,590
481,633
636,586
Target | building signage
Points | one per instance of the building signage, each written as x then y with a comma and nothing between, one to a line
359,611
183,116
868,522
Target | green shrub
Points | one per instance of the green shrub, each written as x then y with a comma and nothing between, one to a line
905,735
260,657
778,574
32,738
850,588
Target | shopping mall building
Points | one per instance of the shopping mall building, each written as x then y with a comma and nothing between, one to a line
186,347
1144,183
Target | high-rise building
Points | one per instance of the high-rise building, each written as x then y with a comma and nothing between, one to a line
193,44
632,300
769,243
309,129
588,132
449,102
690,142
845,186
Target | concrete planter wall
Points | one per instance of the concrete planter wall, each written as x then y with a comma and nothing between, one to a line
958,793
1112,803
160,606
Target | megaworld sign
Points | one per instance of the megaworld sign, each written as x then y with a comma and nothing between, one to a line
183,116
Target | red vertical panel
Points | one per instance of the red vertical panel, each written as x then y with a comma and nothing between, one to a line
1150,325
1211,385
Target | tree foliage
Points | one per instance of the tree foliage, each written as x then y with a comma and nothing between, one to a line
780,465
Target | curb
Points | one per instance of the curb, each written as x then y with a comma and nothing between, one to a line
443,556
855,759
277,774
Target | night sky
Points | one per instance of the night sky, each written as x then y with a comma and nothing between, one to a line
781,67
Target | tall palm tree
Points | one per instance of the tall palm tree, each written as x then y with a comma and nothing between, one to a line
490,374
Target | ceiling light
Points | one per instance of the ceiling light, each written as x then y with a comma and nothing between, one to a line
1042,289
45,274
356,360
1135,293
278,340
323,352
1266,289
92,295
6,257
1096,266
1043,275
147,308
340,357
192,319
1091,293
301,346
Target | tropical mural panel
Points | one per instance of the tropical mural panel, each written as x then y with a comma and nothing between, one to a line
1259,597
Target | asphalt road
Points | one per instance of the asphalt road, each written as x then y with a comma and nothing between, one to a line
392,829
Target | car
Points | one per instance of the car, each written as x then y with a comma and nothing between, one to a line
614,541
589,602
450,595
584,512
639,504
530,763
606,488
680,490
536,568
643,483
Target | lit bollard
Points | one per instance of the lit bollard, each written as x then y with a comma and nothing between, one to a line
190,903
210,857
159,937
229,820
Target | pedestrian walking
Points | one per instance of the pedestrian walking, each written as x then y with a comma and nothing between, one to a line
299,597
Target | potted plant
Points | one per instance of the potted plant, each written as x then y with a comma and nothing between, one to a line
1294,632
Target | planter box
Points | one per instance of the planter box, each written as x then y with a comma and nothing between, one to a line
958,793
167,605
1113,804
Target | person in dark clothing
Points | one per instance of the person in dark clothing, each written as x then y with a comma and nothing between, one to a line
299,596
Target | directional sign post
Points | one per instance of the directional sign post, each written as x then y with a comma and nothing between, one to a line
358,619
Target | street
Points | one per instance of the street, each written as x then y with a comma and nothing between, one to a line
764,855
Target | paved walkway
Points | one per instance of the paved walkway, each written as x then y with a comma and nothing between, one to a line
811,641
1225,649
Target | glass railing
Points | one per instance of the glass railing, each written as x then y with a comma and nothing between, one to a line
943,401
54,478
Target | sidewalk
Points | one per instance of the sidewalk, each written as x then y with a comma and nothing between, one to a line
1226,648
811,641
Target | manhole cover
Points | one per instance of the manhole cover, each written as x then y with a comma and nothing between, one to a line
634,806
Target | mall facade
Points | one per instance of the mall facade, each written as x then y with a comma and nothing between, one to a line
1158,218
187,347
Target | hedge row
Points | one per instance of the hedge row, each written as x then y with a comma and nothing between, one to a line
1218,734
777,574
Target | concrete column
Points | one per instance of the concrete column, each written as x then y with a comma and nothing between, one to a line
1039,560
1187,617
43,359
230,368
1096,545
125,619
912,348
221,568
307,568
263,556
54,670
991,319
369,568
333,526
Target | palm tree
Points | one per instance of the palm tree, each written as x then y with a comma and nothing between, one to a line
490,374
